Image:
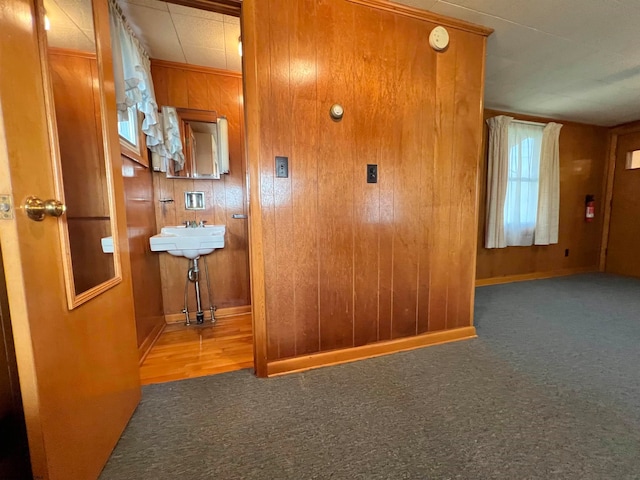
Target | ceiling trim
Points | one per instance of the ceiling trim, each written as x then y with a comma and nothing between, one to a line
194,68
425,15
226,7
626,128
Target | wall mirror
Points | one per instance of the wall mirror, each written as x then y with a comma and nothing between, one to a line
80,142
205,145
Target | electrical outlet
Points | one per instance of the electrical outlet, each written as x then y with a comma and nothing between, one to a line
372,173
282,167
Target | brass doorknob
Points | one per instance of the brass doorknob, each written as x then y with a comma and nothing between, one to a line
37,209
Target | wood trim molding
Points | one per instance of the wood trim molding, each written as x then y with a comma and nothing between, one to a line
226,7
220,313
68,52
425,15
148,343
195,68
479,162
484,282
608,197
252,159
625,128
335,357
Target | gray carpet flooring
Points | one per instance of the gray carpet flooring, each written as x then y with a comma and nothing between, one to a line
550,389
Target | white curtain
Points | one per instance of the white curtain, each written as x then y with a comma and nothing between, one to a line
521,205
497,175
171,148
548,218
132,76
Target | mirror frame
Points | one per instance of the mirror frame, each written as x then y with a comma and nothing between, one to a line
186,115
109,145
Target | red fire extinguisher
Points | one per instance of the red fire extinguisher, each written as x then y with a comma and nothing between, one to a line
590,204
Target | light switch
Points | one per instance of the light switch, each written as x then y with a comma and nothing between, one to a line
372,173
282,167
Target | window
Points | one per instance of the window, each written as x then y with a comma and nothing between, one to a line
521,203
128,128
132,141
523,183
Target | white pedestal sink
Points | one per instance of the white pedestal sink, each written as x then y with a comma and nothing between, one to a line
189,242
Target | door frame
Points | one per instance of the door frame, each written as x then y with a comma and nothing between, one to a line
248,22
246,10
607,191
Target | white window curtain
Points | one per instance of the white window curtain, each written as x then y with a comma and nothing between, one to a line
171,149
132,76
523,183
497,177
521,204
548,218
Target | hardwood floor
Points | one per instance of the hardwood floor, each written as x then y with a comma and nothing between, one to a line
196,351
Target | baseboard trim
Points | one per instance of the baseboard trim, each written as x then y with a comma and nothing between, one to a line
220,313
335,357
484,282
148,343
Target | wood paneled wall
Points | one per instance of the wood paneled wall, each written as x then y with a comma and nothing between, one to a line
184,86
624,232
349,263
145,264
583,150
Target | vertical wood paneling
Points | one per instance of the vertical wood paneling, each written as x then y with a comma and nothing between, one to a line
426,91
335,174
160,85
145,265
198,91
280,95
177,88
303,46
233,187
407,181
228,268
390,143
442,195
349,263
267,166
468,102
369,82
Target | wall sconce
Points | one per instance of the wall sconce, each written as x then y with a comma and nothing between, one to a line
240,45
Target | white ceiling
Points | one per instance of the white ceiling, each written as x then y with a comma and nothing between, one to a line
185,35
567,59
71,24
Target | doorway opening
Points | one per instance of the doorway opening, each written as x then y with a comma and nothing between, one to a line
196,66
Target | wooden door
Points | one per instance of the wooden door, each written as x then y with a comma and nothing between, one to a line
77,368
624,233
